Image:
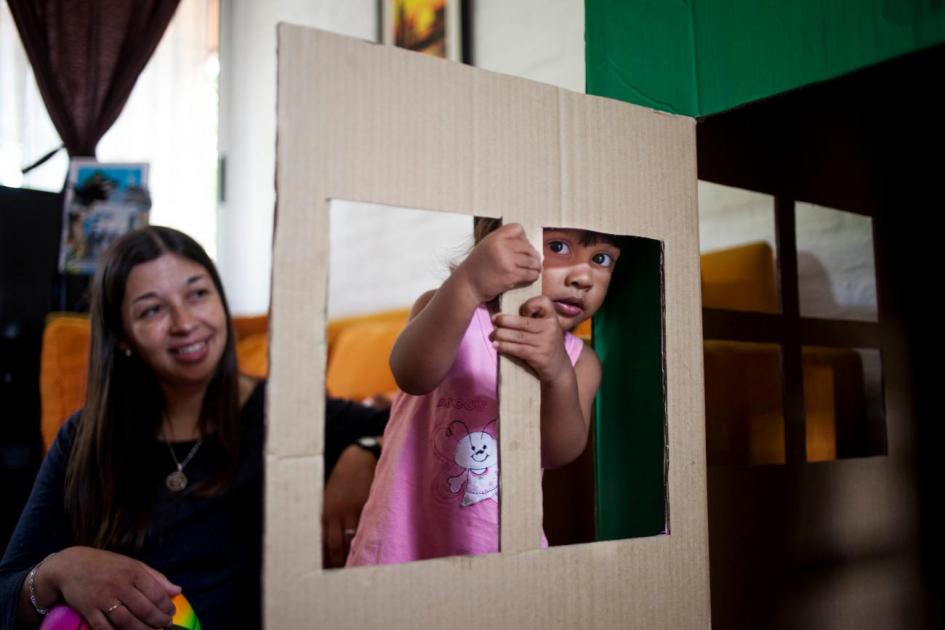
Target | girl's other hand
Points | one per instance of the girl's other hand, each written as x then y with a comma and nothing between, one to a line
503,260
92,581
534,337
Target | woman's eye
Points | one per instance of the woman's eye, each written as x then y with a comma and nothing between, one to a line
602,259
150,311
200,293
558,247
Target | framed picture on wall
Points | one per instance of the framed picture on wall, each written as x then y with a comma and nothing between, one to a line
102,202
433,27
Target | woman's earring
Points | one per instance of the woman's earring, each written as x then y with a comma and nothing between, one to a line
127,352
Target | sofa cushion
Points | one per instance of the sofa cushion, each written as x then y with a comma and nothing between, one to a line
64,363
359,364
740,278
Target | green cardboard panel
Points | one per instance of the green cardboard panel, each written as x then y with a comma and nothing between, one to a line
630,410
702,57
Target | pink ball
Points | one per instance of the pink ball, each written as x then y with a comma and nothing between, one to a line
62,617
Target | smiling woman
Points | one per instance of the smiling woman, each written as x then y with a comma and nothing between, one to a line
155,487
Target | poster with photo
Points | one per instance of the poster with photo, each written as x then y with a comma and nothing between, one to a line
102,202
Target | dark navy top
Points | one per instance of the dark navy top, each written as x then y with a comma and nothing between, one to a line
210,546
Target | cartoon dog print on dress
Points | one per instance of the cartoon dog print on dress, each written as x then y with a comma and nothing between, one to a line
478,455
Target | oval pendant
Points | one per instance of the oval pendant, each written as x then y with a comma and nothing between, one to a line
176,481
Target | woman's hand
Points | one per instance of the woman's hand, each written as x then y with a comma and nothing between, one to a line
345,494
503,260
534,337
93,581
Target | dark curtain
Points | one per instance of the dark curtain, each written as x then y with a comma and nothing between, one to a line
87,55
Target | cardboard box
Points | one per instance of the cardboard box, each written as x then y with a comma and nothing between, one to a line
364,122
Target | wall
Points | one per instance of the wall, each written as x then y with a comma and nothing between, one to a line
248,126
540,40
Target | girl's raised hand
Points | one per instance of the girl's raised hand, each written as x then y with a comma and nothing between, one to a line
503,260
534,337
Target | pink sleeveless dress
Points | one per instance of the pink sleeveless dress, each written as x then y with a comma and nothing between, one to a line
436,487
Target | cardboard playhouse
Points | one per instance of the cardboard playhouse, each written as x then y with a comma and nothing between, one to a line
817,101
369,123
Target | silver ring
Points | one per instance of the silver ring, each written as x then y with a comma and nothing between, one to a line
113,608
349,532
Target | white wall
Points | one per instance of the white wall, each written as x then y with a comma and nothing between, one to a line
248,129
383,258
538,39
541,40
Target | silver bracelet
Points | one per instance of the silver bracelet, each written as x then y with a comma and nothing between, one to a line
31,584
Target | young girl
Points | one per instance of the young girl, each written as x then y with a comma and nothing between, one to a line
435,491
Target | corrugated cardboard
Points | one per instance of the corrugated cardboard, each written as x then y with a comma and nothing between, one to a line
369,123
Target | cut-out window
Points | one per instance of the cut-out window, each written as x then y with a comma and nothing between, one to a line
843,403
836,272
737,242
629,460
744,403
381,260
617,487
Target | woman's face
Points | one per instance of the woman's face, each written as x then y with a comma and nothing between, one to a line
174,320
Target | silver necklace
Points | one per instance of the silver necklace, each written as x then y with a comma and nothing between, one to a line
177,480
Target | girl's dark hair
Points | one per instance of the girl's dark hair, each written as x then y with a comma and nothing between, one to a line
109,487
483,226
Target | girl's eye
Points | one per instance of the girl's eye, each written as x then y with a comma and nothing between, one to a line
602,259
200,293
558,247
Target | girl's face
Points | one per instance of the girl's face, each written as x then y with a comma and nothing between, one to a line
174,320
575,276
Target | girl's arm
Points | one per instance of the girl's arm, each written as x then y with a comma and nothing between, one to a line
425,350
567,393
566,411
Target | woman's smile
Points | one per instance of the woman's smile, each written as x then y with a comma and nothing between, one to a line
191,353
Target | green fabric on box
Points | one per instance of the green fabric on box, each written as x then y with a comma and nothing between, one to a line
701,58
630,410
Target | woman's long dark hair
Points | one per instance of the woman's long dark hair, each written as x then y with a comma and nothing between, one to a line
108,486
